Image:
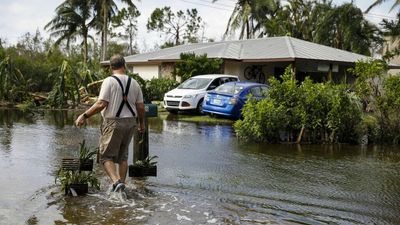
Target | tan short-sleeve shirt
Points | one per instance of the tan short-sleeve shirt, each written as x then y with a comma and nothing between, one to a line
111,92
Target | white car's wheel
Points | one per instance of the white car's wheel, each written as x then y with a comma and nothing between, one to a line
200,107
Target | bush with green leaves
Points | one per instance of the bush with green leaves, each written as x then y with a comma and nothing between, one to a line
66,86
13,84
156,88
387,112
380,93
192,65
326,112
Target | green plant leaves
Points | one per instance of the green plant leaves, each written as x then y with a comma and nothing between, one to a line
328,112
69,177
147,162
86,153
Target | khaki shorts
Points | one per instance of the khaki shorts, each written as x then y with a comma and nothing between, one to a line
116,134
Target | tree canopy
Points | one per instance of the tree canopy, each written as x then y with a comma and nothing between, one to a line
181,27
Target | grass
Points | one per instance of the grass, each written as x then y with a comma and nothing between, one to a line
195,118
190,117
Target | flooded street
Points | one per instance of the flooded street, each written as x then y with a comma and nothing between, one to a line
205,176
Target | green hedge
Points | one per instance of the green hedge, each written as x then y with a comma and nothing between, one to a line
156,88
326,112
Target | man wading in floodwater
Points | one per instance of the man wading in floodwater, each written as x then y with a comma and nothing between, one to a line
120,102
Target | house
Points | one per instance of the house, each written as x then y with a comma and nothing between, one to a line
392,44
271,54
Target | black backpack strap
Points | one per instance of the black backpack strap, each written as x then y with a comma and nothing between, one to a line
124,96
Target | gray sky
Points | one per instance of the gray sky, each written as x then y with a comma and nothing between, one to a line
21,16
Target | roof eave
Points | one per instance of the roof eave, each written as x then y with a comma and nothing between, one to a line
394,66
270,60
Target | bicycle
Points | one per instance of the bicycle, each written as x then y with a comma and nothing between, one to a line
252,72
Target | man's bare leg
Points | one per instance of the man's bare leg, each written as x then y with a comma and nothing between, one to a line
123,168
109,167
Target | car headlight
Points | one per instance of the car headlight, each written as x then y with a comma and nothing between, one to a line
188,96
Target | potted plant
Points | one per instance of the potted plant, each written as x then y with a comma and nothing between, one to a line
145,167
84,162
86,157
76,182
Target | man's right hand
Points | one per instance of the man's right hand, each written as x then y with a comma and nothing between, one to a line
141,128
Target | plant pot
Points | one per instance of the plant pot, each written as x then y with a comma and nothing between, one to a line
80,189
136,171
86,165
70,164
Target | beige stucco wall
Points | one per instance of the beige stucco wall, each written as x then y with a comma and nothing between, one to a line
147,72
164,70
267,68
232,68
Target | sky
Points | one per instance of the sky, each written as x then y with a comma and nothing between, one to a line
18,17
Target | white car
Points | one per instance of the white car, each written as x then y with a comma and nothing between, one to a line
189,95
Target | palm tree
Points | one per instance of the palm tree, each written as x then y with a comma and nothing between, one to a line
378,2
72,20
105,9
345,27
247,15
295,19
391,29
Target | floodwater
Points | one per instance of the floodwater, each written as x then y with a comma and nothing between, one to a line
205,176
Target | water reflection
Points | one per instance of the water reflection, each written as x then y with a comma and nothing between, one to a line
155,124
205,176
6,139
222,132
9,116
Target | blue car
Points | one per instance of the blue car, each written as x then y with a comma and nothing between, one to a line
229,98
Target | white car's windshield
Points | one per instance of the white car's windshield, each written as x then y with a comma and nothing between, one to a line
230,88
195,83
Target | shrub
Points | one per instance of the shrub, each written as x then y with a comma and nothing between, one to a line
262,121
280,111
192,65
156,88
381,98
328,112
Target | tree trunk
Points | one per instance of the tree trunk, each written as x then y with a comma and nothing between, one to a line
62,90
104,32
85,48
332,137
102,46
247,30
177,36
300,135
131,44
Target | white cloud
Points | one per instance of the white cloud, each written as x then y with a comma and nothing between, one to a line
21,16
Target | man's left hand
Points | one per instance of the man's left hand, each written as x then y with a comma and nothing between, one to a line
81,120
